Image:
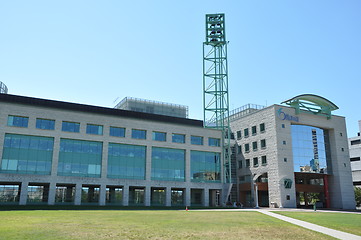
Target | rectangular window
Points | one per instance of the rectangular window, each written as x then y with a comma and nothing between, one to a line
205,166
355,159
80,158
168,164
240,164
355,142
240,149
27,154
46,124
248,164
255,162
17,121
264,160
94,129
254,146
283,125
117,132
70,127
263,143
214,142
196,140
139,134
246,133
159,136
254,130
178,138
246,147
239,134
262,127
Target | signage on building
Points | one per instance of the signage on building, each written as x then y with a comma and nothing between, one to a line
285,116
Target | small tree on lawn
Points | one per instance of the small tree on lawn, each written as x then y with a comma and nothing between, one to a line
358,196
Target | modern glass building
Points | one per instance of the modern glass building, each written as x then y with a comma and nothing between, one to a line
56,152
292,156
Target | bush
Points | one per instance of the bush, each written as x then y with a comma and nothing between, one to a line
358,196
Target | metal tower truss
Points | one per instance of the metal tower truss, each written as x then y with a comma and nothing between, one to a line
215,84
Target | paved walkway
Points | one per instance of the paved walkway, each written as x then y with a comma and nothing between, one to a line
314,227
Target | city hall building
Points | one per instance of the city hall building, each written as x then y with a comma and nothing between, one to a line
292,156
144,153
55,152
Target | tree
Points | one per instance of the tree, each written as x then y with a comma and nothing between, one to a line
358,196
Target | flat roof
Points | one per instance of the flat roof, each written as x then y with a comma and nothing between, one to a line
9,98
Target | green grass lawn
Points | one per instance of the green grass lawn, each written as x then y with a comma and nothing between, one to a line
117,224
346,222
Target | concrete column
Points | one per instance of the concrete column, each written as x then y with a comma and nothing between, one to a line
188,196
102,194
188,166
77,200
104,161
206,197
147,196
168,196
52,191
54,164
126,195
148,163
23,193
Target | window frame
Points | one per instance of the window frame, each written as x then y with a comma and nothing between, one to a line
89,128
24,121
76,124
39,124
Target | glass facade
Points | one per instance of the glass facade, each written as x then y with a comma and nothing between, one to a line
90,194
196,140
117,132
126,161
114,195
64,194
178,138
80,158
94,129
309,149
17,121
27,154
205,166
46,124
139,134
159,136
177,196
70,127
136,196
168,164
38,194
158,197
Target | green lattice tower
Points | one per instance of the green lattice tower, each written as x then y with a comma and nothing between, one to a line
215,83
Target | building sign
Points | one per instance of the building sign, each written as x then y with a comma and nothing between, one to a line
284,116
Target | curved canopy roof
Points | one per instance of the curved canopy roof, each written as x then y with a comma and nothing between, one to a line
312,103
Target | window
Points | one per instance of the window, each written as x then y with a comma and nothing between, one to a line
254,130
117,132
284,142
94,129
178,138
285,159
342,149
254,146
239,134
262,127
159,136
45,124
17,121
196,140
246,147
240,164
283,125
355,159
248,163
139,134
232,135
205,166
168,164
214,142
255,162
355,142
246,133
264,160
70,127
263,143
240,149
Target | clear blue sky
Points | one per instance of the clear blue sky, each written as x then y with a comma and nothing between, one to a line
93,52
